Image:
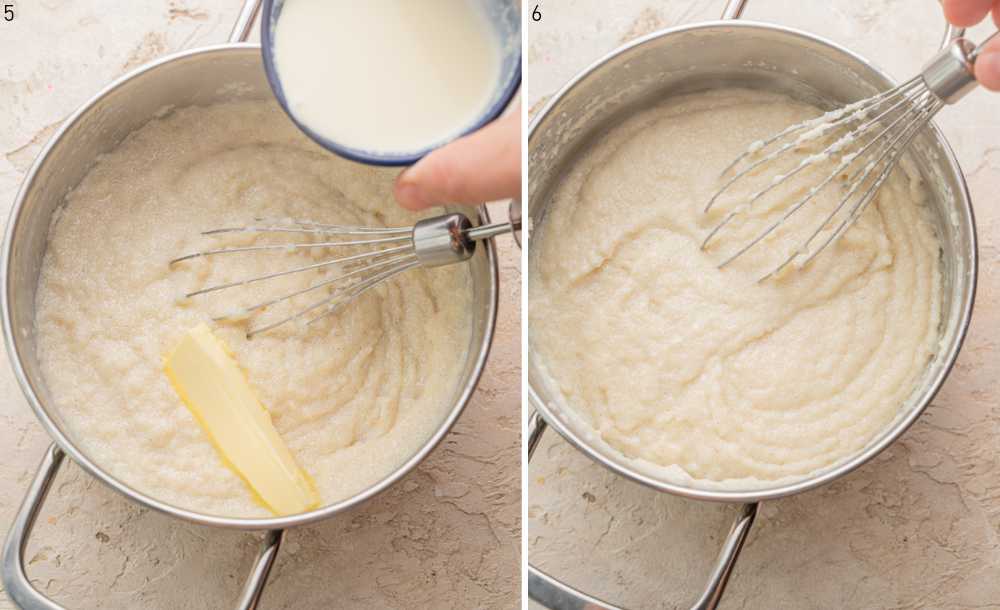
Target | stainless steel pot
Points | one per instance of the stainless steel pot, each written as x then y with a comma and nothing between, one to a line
203,76
756,55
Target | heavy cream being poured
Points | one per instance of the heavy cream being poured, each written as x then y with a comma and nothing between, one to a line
386,75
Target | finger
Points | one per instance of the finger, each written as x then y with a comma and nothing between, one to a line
996,13
966,13
482,166
988,66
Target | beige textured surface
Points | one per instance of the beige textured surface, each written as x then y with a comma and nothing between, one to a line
917,527
445,537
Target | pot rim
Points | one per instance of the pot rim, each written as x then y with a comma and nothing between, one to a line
12,344
888,435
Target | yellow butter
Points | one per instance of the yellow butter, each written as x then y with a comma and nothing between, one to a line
211,384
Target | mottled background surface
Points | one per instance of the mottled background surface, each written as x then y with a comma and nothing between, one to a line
915,528
447,536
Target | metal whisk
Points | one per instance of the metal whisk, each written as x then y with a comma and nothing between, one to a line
432,242
868,139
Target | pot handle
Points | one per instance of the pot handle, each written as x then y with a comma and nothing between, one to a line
24,594
734,9
557,595
245,20
514,211
951,33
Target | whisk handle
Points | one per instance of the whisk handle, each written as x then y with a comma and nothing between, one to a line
492,230
950,75
975,52
513,225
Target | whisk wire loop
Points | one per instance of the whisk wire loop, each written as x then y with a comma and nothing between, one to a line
868,137
876,132
386,252
337,300
846,161
344,260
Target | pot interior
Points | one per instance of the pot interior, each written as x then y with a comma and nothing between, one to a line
757,56
202,77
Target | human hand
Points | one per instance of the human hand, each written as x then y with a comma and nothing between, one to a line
967,13
482,166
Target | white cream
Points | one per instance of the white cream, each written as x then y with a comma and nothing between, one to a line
386,75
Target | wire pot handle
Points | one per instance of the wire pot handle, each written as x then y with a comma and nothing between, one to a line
15,579
557,595
245,21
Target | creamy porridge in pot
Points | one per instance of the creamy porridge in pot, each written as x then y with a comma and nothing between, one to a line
708,374
353,396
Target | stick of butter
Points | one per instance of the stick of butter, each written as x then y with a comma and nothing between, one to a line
211,384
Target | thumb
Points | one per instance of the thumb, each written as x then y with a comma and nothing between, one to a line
966,13
988,65
482,166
